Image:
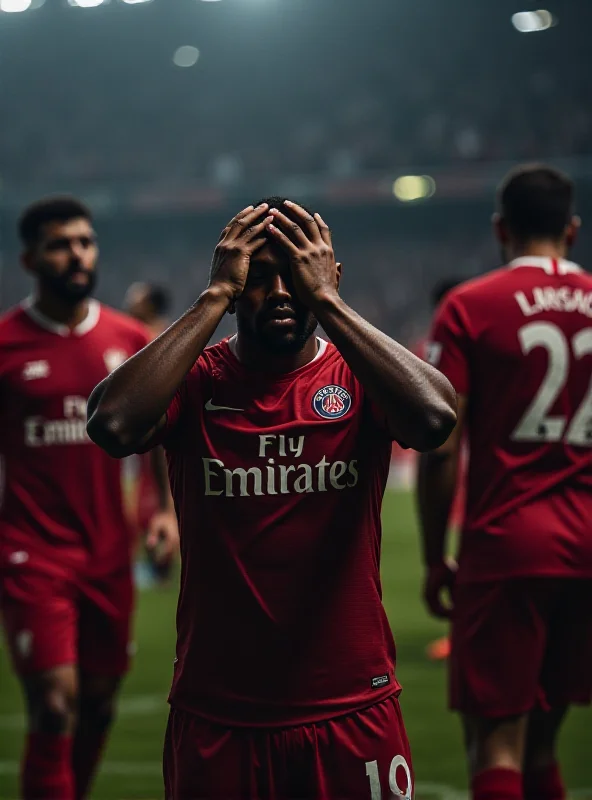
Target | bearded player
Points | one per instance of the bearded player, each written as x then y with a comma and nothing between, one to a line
517,346
279,446
65,586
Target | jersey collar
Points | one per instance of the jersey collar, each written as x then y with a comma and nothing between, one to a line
322,346
552,266
87,324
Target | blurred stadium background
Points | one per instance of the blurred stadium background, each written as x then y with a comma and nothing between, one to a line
395,118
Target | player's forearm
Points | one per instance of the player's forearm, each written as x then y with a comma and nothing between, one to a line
161,479
135,397
436,486
419,402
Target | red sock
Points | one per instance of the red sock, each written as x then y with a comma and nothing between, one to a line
46,769
544,784
86,753
497,784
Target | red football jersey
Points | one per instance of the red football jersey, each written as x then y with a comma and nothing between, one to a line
518,344
62,506
278,483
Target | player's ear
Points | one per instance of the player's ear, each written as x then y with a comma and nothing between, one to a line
27,261
499,228
572,230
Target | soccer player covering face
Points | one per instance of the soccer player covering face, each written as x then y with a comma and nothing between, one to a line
65,541
278,446
517,346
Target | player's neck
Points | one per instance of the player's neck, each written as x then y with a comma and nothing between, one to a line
254,357
554,250
60,311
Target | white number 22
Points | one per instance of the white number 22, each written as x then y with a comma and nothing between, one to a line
537,425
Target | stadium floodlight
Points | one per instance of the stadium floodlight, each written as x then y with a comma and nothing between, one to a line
409,188
132,2
86,3
186,56
533,21
14,6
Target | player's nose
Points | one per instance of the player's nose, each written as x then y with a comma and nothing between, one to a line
279,289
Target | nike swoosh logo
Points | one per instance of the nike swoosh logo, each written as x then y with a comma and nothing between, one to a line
211,407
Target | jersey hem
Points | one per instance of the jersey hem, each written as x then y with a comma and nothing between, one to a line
541,573
296,722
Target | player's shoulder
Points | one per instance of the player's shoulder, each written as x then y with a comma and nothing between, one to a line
479,286
14,323
115,320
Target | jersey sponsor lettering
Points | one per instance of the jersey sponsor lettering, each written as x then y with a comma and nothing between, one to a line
71,429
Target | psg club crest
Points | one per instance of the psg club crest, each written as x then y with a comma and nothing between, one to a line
332,402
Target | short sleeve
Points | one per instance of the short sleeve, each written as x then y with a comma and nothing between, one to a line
448,344
188,394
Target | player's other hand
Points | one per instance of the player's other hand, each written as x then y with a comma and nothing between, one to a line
438,588
162,537
242,237
307,240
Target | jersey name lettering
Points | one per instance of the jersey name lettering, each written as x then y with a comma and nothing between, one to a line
548,298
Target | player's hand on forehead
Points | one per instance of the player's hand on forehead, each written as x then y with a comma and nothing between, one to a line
244,220
307,240
300,226
243,236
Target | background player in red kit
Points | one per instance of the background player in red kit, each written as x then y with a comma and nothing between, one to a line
278,446
517,346
65,587
150,304
439,649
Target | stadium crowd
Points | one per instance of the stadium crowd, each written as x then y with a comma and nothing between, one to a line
346,122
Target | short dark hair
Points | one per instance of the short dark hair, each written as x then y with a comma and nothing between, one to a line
159,298
441,289
536,202
275,201
49,209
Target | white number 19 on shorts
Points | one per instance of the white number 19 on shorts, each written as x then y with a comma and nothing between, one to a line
397,763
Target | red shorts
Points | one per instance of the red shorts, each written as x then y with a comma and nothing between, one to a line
51,621
362,755
520,644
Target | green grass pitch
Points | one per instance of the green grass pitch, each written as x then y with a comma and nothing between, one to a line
132,765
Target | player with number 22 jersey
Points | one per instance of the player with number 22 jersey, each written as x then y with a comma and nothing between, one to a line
517,346
529,504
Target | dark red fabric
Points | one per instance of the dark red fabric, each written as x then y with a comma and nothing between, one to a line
544,784
497,784
47,768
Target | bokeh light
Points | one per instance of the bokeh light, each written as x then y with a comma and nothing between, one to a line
409,188
186,56
533,21
14,6
86,3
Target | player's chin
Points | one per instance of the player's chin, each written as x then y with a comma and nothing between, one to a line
282,342
78,290
75,294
